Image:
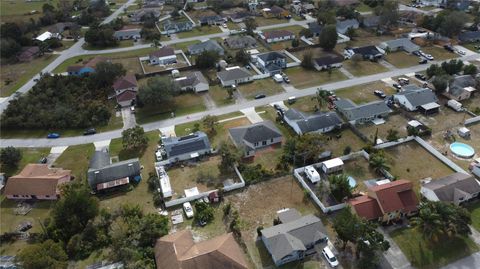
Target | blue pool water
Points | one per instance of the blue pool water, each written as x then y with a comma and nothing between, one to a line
352,182
462,150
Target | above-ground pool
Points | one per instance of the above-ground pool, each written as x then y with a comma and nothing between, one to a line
462,150
352,182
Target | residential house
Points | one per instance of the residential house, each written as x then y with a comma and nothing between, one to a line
153,3
342,3
59,28
364,113
315,28
469,37
386,201
241,42
303,123
234,76
371,21
461,88
240,16
404,44
295,238
27,54
172,27
276,36
432,3
271,62
139,15
47,35
127,34
163,56
343,26
194,81
456,188
126,89
414,98
87,68
37,181
103,175
255,137
328,61
302,8
187,147
369,52
178,250
211,20
209,45
275,12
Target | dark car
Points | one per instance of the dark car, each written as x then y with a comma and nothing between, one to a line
449,48
53,135
379,93
420,76
416,53
422,61
90,131
260,96
42,160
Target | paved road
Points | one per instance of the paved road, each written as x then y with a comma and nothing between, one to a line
470,262
43,142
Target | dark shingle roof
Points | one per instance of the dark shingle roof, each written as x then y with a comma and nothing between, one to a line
446,187
233,74
254,133
418,96
314,122
362,111
328,59
271,56
315,28
469,36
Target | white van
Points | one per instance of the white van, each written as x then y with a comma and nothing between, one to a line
312,174
331,259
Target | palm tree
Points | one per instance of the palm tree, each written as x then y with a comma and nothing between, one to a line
155,43
340,187
428,221
322,97
378,162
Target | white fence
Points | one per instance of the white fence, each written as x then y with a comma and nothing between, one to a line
342,38
472,121
260,76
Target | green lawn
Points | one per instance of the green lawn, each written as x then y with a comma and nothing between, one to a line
401,59
121,44
429,255
474,209
14,10
219,94
199,31
363,68
29,155
364,93
20,73
263,86
183,104
302,78
439,53
76,158
471,46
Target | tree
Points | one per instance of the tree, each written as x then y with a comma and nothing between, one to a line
340,187
345,225
378,162
203,212
175,13
295,43
100,36
351,32
392,135
326,17
307,60
434,70
470,69
210,122
134,138
157,91
230,156
45,255
306,33
440,83
10,156
251,25
303,150
9,47
230,92
452,24
388,13
242,57
150,34
207,59
106,73
452,67
328,37
322,98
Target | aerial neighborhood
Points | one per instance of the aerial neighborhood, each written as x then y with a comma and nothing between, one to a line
235,134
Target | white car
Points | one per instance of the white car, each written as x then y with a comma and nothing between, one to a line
187,207
224,25
429,57
158,155
330,257
461,52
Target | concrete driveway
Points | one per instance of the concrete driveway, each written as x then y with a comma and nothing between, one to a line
128,117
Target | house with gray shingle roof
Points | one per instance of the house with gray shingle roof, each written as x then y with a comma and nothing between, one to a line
315,28
209,45
127,34
461,88
343,26
234,76
414,98
303,123
194,81
271,62
359,114
469,36
456,188
187,147
256,136
171,27
371,21
140,15
295,238
404,44
241,42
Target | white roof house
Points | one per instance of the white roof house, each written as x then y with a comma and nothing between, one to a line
332,165
45,36
164,181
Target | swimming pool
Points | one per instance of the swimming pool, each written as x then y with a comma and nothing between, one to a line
352,182
462,150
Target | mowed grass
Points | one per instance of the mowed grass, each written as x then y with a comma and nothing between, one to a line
364,93
219,95
393,122
199,31
302,78
474,209
121,44
183,104
77,159
20,73
401,59
29,155
363,68
14,10
439,53
425,254
263,86
338,141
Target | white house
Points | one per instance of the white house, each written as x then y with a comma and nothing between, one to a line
194,81
456,188
276,36
332,166
47,35
163,56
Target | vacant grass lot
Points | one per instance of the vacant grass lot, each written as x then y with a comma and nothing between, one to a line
393,122
338,141
363,68
183,104
14,10
364,93
199,31
410,161
19,73
302,78
29,155
429,255
262,21
401,59
305,104
263,86
219,95
77,159
439,53
474,209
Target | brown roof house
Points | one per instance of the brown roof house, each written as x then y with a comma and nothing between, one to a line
456,188
37,181
179,251
163,56
277,35
386,201
28,53
126,89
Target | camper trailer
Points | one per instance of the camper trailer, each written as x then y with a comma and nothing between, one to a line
455,105
312,174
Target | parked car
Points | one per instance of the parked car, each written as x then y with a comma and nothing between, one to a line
43,160
448,47
53,135
158,155
429,57
396,86
286,79
90,131
187,207
420,76
417,53
461,52
379,93
330,257
291,100
132,109
224,25
422,61
260,96
403,81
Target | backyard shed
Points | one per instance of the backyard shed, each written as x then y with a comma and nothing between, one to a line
332,166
